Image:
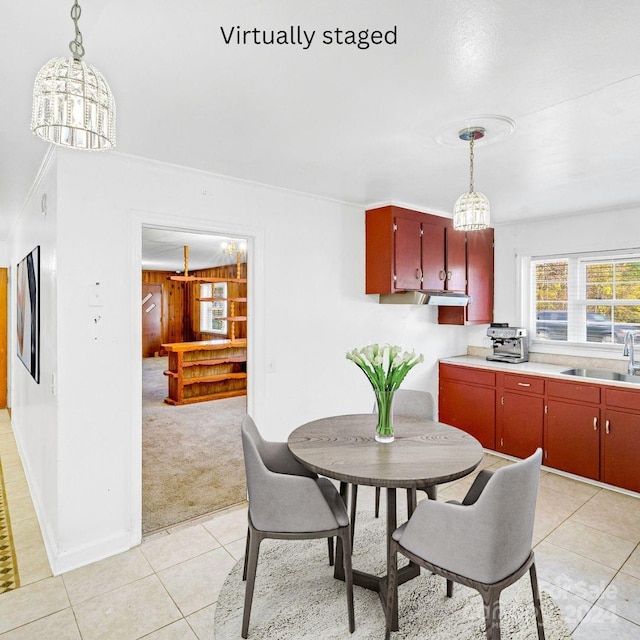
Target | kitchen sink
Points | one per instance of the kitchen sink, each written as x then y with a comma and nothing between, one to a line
602,374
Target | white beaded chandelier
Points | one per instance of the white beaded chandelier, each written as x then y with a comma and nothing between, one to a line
471,211
72,102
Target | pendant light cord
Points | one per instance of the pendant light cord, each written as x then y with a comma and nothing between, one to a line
471,139
76,46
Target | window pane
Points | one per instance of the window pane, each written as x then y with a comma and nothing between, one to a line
213,307
628,271
599,272
626,314
552,294
628,291
599,325
599,291
552,270
552,291
562,288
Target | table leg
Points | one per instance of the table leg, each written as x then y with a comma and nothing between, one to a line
369,581
392,525
412,501
354,501
338,566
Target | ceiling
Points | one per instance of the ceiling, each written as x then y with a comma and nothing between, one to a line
164,250
364,126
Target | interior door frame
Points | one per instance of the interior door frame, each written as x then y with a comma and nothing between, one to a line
255,327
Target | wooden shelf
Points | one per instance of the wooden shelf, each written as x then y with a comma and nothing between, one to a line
215,378
238,280
204,345
203,279
212,396
206,370
217,299
182,278
212,362
210,369
203,363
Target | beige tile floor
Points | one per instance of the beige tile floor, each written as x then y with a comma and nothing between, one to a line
587,553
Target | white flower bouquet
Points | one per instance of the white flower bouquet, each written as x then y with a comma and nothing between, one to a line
386,366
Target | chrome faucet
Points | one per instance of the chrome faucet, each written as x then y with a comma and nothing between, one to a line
629,345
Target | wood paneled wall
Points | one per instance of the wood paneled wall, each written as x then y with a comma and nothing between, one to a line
180,307
234,290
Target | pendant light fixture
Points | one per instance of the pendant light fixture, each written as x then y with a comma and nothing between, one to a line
72,102
471,211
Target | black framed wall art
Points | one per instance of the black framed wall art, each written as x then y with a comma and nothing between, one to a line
28,312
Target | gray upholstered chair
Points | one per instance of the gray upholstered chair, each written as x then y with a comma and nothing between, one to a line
289,502
483,542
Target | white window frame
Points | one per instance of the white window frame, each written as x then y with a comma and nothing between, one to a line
576,305
210,310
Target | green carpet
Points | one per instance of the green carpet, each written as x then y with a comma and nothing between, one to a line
9,578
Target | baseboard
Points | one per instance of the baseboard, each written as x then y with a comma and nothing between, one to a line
73,558
97,550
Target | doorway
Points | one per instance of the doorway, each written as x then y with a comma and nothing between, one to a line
192,461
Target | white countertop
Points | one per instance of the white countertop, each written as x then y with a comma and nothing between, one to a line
534,369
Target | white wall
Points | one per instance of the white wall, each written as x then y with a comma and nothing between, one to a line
34,406
306,270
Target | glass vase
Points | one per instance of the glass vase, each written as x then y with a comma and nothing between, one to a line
384,427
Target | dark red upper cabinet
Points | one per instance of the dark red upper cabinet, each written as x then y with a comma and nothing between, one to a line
411,251
479,286
407,254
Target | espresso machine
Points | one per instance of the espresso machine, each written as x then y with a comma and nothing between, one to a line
510,344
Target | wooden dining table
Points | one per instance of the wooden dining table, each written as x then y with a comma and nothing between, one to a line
423,455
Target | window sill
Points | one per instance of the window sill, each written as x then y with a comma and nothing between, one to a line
589,350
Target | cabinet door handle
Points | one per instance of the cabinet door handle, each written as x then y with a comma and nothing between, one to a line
418,274
524,384
449,275
606,426
595,423
442,275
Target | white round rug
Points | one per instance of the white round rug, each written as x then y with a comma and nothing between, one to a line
296,597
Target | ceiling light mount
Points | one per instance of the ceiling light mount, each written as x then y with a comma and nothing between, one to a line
471,211
72,103
472,132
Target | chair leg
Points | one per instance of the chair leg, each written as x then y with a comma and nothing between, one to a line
254,548
536,600
392,589
354,504
348,575
449,589
432,492
377,502
246,556
491,599
331,557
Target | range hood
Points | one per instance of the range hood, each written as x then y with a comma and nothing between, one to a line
439,298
